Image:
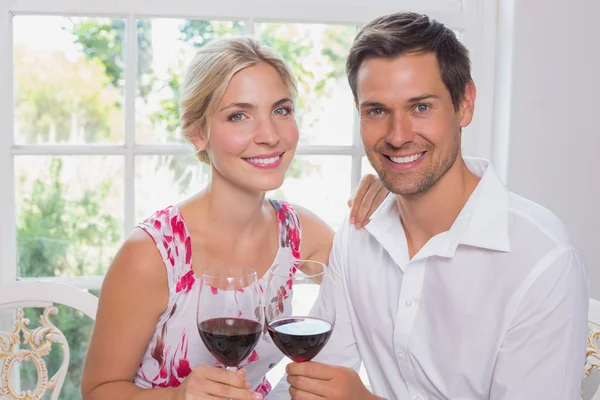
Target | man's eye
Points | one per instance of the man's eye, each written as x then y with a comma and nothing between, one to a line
421,108
376,111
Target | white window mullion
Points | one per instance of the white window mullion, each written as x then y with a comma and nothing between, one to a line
82,282
249,26
8,231
357,157
356,172
130,93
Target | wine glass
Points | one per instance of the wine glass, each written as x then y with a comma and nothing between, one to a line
291,291
230,314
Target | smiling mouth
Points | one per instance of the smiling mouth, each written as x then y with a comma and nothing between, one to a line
266,161
406,160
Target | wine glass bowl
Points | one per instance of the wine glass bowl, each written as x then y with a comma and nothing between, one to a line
230,314
298,333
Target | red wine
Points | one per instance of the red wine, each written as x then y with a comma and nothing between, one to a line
230,340
300,338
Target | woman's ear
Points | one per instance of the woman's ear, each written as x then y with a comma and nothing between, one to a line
197,136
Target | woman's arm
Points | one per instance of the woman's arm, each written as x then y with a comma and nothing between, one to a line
134,294
317,236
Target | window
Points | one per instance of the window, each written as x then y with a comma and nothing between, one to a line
89,127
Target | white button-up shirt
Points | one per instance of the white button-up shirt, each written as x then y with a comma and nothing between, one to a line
493,308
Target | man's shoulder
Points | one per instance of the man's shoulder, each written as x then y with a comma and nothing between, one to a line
538,223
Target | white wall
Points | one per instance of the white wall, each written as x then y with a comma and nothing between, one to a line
555,116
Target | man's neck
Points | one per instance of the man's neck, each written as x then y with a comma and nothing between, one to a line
429,213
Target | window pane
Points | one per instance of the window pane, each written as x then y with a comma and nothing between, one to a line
319,183
68,79
69,214
165,49
366,167
317,57
459,34
161,181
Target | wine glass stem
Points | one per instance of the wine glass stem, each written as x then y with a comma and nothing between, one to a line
232,369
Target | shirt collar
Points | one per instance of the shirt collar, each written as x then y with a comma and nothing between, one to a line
482,223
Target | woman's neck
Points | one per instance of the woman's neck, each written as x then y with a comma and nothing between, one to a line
231,208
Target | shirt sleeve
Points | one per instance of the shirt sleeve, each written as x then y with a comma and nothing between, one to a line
543,352
341,349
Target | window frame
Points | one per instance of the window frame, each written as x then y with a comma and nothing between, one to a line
474,18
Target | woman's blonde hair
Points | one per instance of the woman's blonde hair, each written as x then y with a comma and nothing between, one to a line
210,73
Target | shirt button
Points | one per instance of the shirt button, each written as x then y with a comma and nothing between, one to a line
408,303
400,355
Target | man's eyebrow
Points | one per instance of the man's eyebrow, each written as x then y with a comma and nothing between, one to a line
416,99
423,97
366,104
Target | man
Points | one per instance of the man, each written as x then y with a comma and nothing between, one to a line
457,288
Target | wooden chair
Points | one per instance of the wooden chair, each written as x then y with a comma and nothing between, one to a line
38,294
591,381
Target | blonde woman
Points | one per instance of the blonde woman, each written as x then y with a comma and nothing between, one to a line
237,109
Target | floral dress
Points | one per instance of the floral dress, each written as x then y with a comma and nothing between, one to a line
176,348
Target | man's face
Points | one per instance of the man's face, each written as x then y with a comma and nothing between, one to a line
409,127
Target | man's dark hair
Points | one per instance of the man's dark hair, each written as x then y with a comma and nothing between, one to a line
398,34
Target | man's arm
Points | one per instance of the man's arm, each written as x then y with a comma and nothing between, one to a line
543,353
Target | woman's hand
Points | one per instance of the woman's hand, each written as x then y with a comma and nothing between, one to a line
206,382
363,202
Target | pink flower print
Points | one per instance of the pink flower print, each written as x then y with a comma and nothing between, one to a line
289,283
240,314
163,372
179,364
168,239
183,369
186,282
177,227
188,250
163,213
214,290
157,224
170,257
264,387
280,216
253,357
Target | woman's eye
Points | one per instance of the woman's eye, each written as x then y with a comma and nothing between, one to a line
236,117
282,111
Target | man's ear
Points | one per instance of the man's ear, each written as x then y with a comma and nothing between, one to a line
467,106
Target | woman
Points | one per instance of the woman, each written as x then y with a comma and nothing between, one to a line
237,109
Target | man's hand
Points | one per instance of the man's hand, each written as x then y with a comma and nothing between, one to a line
312,380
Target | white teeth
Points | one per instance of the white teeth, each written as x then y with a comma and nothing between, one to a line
406,160
264,161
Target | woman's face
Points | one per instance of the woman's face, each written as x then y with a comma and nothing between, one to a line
253,133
